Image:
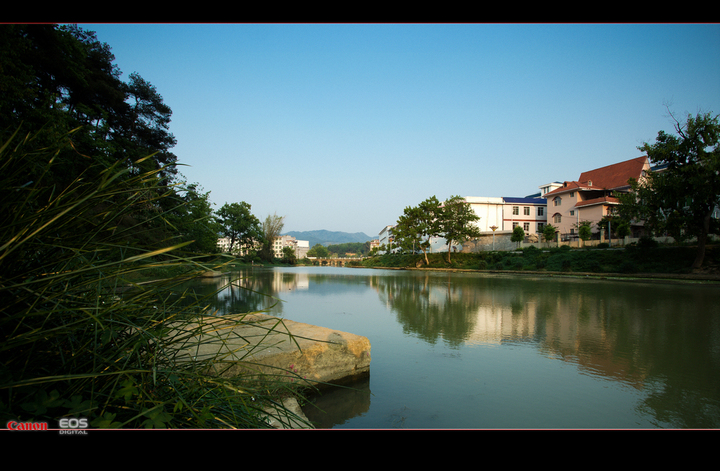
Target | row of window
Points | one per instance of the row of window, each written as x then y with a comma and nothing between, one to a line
526,210
526,226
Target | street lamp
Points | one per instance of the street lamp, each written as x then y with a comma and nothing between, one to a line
494,228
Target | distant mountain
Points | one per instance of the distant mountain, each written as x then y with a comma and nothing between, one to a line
329,237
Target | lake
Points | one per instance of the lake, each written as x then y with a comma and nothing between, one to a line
481,351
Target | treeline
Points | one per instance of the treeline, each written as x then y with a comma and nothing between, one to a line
347,249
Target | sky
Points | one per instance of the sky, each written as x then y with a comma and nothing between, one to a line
342,126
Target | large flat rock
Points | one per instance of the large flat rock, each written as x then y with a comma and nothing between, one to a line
292,351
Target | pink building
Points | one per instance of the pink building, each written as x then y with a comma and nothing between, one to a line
592,196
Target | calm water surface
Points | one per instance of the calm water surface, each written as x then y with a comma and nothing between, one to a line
459,350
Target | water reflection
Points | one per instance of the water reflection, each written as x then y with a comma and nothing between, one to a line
661,340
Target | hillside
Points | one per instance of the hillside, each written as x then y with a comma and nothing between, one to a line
329,237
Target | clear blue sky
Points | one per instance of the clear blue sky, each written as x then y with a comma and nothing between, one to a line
341,126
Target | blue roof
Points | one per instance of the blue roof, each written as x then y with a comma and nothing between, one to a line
525,200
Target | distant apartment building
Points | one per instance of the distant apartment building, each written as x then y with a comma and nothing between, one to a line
223,244
385,238
300,247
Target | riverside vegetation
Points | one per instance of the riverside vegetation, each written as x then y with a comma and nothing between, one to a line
75,341
644,257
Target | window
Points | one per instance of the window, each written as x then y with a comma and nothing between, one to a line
572,213
516,210
526,210
540,227
557,218
557,201
526,226
515,225
541,211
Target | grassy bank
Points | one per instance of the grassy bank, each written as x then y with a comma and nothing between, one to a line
629,260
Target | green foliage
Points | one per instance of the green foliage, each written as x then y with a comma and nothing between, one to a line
271,228
237,222
634,259
319,251
362,249
74,341
58,78
289,256
584,230
455,222
417,225
681,197
518,234
549,232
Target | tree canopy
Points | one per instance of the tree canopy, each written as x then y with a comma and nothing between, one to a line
271,228
679,197
237,222
54,79
455,222
417,225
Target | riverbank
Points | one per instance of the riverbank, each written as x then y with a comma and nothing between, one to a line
631,263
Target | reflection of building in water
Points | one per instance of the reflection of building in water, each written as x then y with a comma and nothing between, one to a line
571,325
286,281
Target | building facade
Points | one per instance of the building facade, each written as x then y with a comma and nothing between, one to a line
592,197
528,213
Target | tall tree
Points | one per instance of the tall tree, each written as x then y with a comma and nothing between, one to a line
193,219
271,228
55,79
455,221
239,224
682,195
417,225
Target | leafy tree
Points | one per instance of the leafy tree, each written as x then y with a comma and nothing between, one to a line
518,234
584,230
194,220
271,229
455,220
680,197
615,225
549,232
289,255
59,78
319,251
239,224
417,225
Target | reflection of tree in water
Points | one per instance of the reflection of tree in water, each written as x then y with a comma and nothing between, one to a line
432,306
236,294
661,339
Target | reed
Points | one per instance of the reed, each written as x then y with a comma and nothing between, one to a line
76,342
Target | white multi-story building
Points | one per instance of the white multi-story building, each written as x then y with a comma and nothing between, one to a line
528,213
385,238
300,247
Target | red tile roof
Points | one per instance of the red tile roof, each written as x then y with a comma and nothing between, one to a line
605,178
